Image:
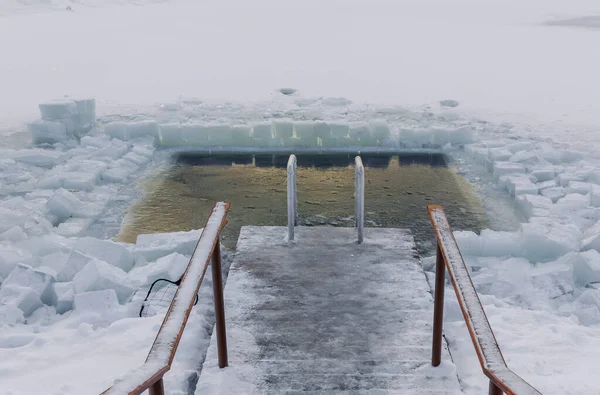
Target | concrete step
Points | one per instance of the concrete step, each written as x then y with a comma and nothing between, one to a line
325,315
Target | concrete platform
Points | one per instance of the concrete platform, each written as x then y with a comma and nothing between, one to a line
325,315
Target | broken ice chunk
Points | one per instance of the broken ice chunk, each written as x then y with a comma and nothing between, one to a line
64,205
62,297
170,267
586,267
79,181
534,205
504,168
542,242
106,250
150,247
103,301
518,184
36,280
98,275
38,157
554,193
117,130
49,132
499,154
543,174
591,238
142,129
520,146
24,298
595,195
579,187
14,235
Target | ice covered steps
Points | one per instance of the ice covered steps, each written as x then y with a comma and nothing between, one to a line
326,315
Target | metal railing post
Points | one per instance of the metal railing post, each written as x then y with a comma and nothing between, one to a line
219,305
157,388
359,196
438,308
292,198
494,389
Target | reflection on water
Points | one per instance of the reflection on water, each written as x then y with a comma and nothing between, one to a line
398,189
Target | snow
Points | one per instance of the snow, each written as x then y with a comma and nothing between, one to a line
485,342
74,339
162,352
526,92
189,285
536,344
535,133
99,325
483,338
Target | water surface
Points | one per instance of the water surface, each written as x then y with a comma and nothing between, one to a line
397,192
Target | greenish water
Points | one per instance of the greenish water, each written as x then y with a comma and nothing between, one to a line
397,192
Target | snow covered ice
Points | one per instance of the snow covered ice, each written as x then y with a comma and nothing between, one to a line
526,127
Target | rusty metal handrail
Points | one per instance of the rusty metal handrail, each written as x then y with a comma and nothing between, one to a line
502,379
150,375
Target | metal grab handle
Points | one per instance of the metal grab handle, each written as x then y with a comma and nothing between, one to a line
292,198
359,196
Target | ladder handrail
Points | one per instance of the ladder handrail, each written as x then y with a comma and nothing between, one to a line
149,376
359,196
502,379
292,196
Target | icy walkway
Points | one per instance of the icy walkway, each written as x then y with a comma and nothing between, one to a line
327,315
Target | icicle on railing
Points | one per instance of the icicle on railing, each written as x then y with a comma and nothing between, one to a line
359,196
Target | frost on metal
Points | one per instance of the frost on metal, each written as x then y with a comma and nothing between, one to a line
484,341
292,197
163,350
135,378
359,196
